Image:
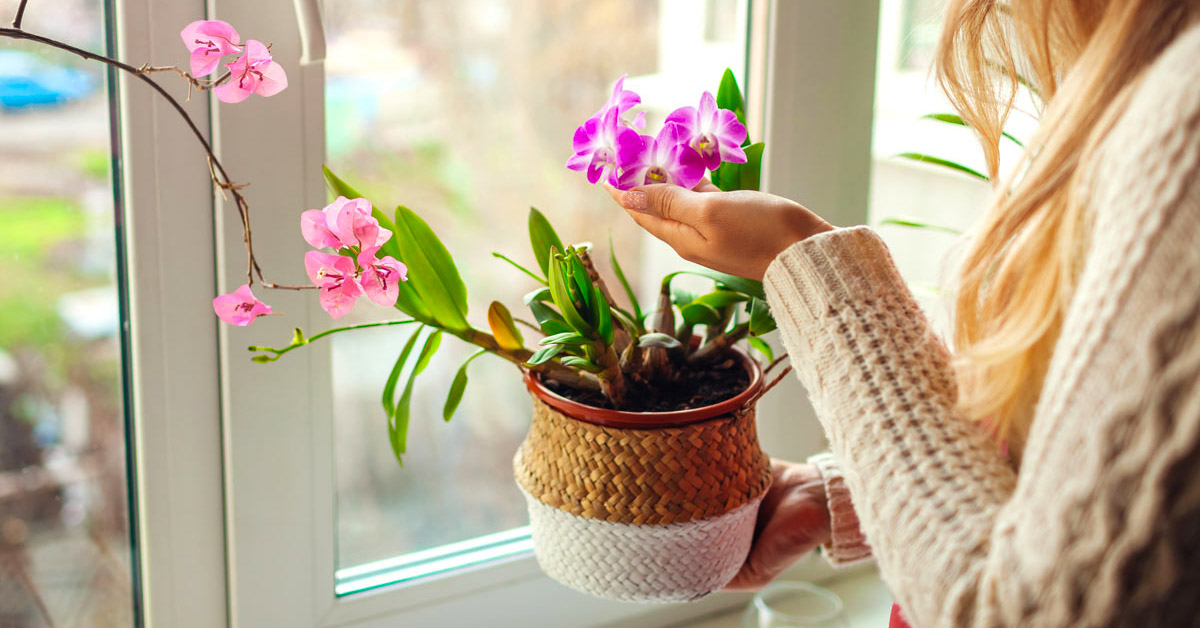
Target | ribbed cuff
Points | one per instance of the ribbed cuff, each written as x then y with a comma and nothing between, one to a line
830,268
847,545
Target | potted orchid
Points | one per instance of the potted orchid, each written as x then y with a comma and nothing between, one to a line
642,470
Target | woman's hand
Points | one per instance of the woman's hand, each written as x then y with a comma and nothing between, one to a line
792,520
739,233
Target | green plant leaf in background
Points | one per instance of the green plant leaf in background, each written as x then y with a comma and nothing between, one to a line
602,315
389,389
954,118
431,270
543,239
721,299
918,224
503,328
729,96
761,321
458,387
696,313
519,267
398,435
545,354
945,163
550,321
562,296
741,284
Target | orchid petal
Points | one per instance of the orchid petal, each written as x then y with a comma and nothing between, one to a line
316,231
274,79
208,41
381,277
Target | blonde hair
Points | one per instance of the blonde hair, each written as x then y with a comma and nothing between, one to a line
1081,59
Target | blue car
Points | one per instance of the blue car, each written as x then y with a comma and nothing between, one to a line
27,82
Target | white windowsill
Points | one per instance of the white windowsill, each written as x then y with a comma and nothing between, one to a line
868,603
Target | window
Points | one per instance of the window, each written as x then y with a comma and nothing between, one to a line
65,525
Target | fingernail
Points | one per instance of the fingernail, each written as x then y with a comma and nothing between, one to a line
635,200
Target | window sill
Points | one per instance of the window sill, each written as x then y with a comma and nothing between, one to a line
868,603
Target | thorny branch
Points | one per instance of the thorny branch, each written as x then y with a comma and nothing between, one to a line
220,177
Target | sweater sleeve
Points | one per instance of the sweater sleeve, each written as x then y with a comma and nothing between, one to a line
1102,525
847,544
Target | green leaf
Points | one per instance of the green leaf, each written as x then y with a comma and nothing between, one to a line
762,347
541,294
721,299
431,270
337,186
544,355
581,282
616,266
945,163
751,172
603,315
562,298
954,118
458,387
626,321
681,297
659,340
917,224
389,389
699,314
519,267
398,428
761,321
577,362
740,284
565,338
550,321
729,96
543,239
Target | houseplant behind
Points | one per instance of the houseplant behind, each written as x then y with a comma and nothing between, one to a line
642,468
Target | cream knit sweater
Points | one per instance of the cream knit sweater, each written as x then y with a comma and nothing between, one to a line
1101,525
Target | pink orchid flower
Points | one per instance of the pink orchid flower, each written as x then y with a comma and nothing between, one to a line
344,223
714,133
623,100
337,278
381,277
208,41
663,159
595,145
239,307
253,72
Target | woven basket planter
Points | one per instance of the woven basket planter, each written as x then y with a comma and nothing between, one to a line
656,506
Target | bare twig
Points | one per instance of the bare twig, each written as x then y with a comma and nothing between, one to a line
220,177
16,23
774,363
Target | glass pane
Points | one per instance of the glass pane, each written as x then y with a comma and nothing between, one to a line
464,111
64,513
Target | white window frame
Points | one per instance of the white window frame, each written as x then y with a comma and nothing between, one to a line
235,487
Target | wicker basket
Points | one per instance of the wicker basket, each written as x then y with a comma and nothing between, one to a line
656,506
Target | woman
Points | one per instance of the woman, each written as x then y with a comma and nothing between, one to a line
1048,474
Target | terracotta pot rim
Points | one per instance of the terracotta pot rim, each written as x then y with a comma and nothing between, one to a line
650,420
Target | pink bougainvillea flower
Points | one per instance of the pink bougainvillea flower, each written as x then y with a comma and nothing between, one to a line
337,278
663,159
714,133
208,41
240,307
252,73
595,145
381,277
622,99
344,223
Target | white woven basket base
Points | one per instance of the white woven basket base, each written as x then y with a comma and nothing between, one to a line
644,563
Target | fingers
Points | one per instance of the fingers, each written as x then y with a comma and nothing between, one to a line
669,202
684,238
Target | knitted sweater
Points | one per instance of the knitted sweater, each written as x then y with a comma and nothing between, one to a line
1101,524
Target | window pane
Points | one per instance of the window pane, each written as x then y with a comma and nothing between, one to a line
464,112
64,524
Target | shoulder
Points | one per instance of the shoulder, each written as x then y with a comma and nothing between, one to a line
1147,163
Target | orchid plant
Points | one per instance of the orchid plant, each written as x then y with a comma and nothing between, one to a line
587,340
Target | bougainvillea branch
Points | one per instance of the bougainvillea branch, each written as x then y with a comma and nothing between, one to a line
220,178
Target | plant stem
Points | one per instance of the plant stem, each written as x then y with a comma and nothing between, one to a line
220,178
328,332
715,347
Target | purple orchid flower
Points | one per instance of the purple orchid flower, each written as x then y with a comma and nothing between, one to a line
622,99
337,278
663,159
596,143
252,73
208,41
714,133
240,307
